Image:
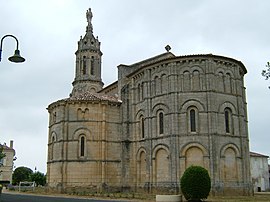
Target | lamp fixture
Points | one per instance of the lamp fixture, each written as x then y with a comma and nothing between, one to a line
17,58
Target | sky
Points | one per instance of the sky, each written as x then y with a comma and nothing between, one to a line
129,31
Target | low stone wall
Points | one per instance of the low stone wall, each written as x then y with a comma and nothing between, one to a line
168,198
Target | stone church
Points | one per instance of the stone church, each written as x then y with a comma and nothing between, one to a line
141,132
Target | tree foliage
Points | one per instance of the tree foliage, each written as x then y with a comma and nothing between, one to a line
2,155
21,174
195,183
266,73
39,178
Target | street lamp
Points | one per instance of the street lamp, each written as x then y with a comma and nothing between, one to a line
16,57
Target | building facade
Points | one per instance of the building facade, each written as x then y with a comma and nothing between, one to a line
259,171
141,132
6,164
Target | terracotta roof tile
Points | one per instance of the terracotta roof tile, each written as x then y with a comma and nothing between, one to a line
93,96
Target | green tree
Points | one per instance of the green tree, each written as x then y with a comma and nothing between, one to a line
21,174
266,73
195,183
2,155
39,178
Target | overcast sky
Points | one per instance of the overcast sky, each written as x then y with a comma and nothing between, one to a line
129,31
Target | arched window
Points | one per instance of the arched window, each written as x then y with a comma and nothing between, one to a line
192,117
92,65
220,81
54,117
142,127
186,81
52,147
228,120
139,92
84,65
82,146
227,83
142,92
154,86
163,83
196,80
161,122
157,84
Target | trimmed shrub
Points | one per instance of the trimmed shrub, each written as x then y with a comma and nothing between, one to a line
195,183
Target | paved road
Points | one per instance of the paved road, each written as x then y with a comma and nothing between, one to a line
5,197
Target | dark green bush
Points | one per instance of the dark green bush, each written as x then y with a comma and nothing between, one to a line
195,183
21,174
39,178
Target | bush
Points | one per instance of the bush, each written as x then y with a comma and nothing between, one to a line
39,178
195,183
21,174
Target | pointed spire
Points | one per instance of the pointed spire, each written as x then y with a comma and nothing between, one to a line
88,61
89,16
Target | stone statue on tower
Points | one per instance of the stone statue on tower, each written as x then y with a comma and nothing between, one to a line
89,16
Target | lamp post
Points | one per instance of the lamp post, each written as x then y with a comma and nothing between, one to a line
17,58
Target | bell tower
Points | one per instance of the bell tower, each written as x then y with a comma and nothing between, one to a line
88,62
